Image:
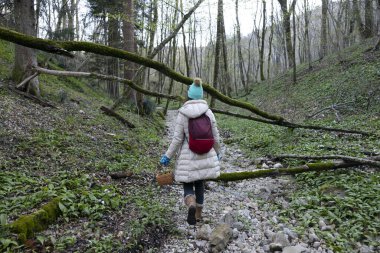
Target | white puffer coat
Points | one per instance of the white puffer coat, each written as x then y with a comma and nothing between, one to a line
191,166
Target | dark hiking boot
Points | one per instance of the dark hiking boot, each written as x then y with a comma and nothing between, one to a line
190,203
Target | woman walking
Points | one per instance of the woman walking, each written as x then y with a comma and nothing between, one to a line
197,156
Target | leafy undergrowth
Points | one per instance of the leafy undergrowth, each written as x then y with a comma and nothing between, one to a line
353,77
69,153
349,201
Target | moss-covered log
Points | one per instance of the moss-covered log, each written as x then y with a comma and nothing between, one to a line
322,166
64,48
174,97
309,167
27,225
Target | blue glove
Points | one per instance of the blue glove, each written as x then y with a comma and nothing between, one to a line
165,160
219,157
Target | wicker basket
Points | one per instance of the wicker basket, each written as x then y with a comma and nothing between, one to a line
165,179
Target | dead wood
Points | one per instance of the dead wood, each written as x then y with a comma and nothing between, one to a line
33,98
292,125
109,112
360,161
121,175
26,80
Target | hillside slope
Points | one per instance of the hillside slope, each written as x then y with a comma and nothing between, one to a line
68,153
345,199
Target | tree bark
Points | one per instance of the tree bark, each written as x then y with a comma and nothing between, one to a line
130,45
309,167
323,43
287,30
368,19
217,49
25,57
240,54
359,26
270,41
261,51
63,48
112,63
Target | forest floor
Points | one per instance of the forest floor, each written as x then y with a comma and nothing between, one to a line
256,210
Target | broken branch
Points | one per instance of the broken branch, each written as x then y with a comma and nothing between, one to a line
106,77
61,47
109,112
365,161
292,125
26,80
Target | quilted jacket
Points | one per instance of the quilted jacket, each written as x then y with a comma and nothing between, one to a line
189,165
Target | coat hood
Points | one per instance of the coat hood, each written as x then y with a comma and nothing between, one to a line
194,108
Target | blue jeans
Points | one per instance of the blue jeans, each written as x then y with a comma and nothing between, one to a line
188,189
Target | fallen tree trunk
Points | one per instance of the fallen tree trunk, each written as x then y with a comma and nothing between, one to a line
365,161
109,112
119,175
291,125
180,98
106,77
27,225
309,167
34,98
65,47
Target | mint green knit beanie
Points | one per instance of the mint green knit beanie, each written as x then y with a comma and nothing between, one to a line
195,92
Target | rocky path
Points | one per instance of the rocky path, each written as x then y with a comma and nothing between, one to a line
244,206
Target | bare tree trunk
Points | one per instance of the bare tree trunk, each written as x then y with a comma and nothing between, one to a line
219,35
287,30
307,35
130,45
294,43
112,63
261,51
174,55
77,19
323,43
227,80
359,26
152,34
25,57
270,41
240,55
368,19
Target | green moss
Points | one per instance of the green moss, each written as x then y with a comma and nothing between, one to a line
63,47
27,225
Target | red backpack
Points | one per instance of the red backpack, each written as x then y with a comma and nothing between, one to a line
201,139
